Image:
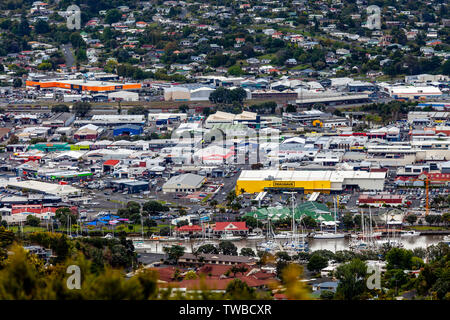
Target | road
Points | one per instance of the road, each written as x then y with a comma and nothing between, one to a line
68,55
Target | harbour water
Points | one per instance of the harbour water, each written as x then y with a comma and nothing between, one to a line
314,244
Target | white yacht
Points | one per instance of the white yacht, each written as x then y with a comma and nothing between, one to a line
328,235
229,236
411,233
283,235
268,246
255,236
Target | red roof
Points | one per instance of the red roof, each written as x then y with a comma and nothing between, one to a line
438,176
230,226
187,228
111,162
165,274
218,284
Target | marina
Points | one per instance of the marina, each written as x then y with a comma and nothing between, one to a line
156,246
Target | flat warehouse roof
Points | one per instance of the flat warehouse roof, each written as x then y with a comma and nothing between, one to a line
304,175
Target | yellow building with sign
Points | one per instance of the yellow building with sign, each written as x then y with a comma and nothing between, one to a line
259,186
254,181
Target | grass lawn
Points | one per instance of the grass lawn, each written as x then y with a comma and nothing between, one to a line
428,228
27,229
267,56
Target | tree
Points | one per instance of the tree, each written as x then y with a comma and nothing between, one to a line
76,40
60,108
250,221
81,109
326,295
174,252
41,27
184,108
149,223
433,219
208,249
317,263
291,108
138,110
23,28
398,258
309,222
352,282
411,219
112,16
65,216
247,252
235,71
17,83
446,218
239,290
347,221
206,111
238,269
154,206
33,221
283,255
228,248
13,139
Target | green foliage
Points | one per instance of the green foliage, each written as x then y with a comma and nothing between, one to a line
248,252
228,248
60,108
398,258
17,83
81,109
352,282
317,262
411,219
174,253
65,215
227,96
154,206
33,221
208,249
112,16
239,290
138,110
41,27
283,255
265,107
326,295
235,71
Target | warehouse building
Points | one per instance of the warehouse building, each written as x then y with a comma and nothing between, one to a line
253,181
380,200
412,92
45,188
83,85
61,119
123,96
188,92
188,182
130,130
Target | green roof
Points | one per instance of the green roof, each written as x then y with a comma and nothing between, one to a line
316,210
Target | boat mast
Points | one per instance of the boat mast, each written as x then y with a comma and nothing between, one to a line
362,226
334,202
370,227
